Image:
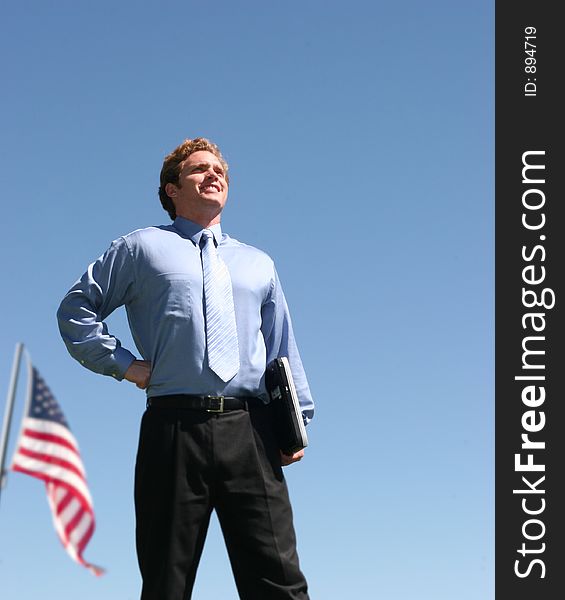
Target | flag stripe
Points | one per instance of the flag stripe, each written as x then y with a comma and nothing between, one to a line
61,499
86,537
50,458
52,489
49,438
55,473
80,529
51,428
74,518
45,477
69,513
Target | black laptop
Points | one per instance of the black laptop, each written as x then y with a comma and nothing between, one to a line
290,429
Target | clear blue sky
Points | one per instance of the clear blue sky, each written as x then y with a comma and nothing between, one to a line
360,142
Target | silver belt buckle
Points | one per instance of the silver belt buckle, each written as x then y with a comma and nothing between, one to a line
219,408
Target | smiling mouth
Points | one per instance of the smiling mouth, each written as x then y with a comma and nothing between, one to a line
211,187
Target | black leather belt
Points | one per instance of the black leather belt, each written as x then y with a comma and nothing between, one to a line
216,404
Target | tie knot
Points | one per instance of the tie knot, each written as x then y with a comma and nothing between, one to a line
206,235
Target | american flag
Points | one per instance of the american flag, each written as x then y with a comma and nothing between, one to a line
48,450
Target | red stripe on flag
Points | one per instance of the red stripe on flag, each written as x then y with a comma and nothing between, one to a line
50,459
49,437
84,502
72,524
86,537
64,502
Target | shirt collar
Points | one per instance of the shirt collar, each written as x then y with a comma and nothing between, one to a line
194,231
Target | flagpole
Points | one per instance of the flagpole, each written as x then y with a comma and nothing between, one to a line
9,410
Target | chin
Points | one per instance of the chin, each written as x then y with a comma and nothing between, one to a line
214,199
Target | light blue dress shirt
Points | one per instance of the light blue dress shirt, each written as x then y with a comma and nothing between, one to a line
156,273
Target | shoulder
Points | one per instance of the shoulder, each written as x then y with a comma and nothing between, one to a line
232,245
146,235
143,242
237,246
148,238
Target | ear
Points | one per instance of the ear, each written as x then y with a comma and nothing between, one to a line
171,190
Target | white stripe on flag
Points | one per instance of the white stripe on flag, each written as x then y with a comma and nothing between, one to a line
52,491
53,449
69,512
78,532
58,494
50,428
53,471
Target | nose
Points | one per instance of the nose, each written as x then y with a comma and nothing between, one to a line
211,173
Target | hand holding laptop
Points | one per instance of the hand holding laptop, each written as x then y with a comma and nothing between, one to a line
289,459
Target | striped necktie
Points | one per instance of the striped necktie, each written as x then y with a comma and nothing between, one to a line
221,332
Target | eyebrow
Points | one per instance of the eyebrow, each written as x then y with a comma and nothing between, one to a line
206,165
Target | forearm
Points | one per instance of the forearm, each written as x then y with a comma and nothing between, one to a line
87,338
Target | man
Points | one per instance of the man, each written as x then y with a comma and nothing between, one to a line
207,314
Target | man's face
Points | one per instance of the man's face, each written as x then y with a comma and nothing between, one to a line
202,189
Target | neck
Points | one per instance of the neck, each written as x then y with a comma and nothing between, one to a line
205,221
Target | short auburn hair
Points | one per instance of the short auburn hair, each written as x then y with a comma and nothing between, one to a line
172,166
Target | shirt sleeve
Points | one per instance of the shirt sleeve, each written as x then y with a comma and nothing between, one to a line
106,285
279,341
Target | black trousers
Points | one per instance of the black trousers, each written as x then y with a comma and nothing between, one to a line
190,462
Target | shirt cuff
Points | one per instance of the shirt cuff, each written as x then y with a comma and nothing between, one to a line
307,416
122,360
